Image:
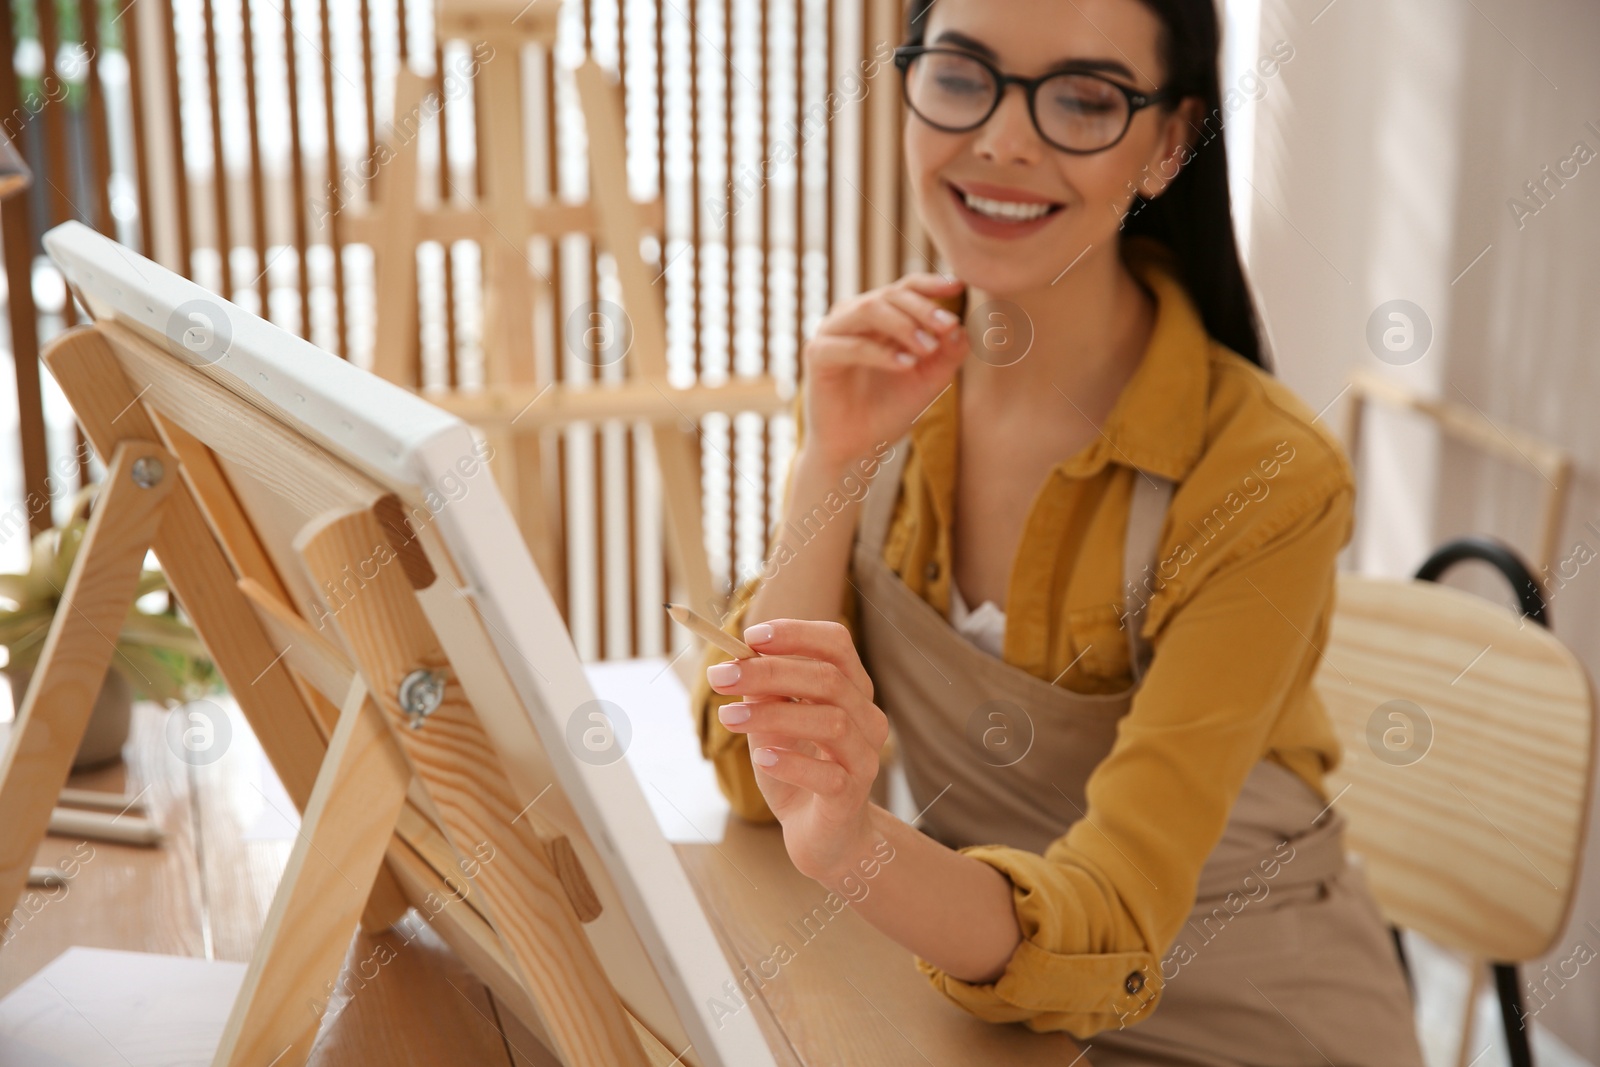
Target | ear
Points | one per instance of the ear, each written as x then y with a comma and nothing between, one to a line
1172,149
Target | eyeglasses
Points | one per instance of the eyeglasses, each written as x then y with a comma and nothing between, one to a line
1075,111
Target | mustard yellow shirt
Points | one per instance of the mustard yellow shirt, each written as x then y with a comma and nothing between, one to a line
1244,592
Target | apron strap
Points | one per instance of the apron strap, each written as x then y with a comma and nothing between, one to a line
1146,513
882,493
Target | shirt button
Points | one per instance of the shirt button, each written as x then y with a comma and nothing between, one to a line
1134,982
931,571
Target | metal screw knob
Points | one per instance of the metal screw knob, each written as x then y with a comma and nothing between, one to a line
421,693
147,472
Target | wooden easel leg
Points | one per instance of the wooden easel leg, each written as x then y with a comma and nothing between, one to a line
289,727
395,354
618,224
496,840
509,297
215,495
539,510
517,466
385,904
94,380
77,652
330,873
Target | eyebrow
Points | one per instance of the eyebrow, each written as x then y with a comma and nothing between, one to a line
972,44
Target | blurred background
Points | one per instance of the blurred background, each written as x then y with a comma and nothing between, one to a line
1424,166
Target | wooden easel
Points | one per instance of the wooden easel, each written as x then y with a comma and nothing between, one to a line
503,223
247,515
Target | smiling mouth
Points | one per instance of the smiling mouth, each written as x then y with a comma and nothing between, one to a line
1003,210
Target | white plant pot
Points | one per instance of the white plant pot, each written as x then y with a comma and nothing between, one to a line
108,725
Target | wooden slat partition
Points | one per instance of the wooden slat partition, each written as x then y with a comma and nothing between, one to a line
174,118
334,194
222,239
18,237
258,197
297,166
131,49
272,135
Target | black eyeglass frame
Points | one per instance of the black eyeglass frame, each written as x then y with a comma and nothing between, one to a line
1137,101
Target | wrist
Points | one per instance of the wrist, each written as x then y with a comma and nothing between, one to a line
868,849
819,464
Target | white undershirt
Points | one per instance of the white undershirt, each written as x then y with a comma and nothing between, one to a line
985,626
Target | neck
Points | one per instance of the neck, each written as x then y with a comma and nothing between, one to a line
1090,328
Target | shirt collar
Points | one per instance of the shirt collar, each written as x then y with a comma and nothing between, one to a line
1158,422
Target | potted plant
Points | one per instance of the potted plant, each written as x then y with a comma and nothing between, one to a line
158,655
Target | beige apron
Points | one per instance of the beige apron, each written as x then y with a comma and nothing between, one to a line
1295,967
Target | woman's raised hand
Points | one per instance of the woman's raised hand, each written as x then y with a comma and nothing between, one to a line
876,362
814,736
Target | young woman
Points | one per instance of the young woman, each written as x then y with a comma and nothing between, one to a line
1086,583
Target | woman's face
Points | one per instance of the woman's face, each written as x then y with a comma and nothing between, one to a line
1005,158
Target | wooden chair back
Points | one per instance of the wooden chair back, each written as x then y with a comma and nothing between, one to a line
1468,737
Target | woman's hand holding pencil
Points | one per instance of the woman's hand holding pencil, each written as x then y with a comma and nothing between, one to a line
813,730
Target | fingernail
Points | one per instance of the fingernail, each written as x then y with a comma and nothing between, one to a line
764,756
759,634
733,714
723,673
905,359
925,339
945,318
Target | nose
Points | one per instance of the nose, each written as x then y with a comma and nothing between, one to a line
1009,135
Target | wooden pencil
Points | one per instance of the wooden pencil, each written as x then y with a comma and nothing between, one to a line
703,627
120,803
956,305
100,826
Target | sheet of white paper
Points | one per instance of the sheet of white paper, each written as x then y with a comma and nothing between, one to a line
93,1007
679,783
663,751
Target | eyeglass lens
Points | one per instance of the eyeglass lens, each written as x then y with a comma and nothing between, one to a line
1074,111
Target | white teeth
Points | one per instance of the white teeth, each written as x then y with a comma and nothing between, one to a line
1005,209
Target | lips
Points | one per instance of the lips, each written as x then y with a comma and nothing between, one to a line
1010,196
1003,229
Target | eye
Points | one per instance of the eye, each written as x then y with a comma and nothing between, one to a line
958,84
956,75
1078,96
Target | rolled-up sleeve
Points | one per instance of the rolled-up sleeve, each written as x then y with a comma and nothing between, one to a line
1099,908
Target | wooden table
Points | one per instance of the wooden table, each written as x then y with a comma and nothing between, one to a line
843,994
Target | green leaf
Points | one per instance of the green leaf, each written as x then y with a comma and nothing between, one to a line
161,631
149,676
14,587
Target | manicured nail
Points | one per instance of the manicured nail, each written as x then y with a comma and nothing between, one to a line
925,339
905,359
723,673
759,634
945,318
733,714
766,757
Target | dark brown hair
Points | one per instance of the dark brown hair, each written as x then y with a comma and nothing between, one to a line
1193,215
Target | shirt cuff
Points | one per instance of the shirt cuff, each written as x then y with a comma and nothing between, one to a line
1046,990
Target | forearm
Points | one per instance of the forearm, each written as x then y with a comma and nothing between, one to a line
804,574
952,910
